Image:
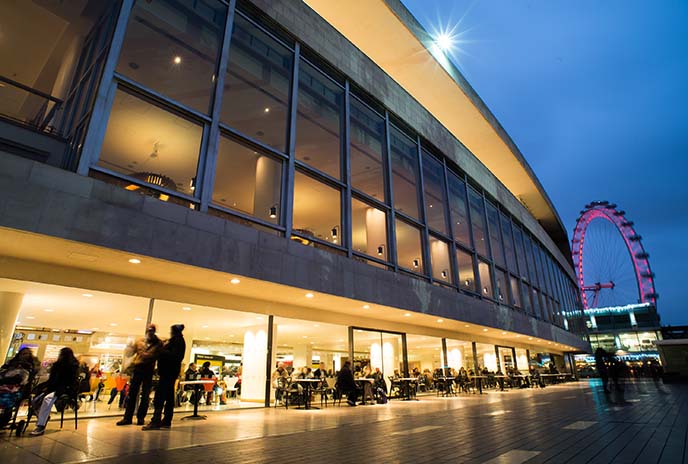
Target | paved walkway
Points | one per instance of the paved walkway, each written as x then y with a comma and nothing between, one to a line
572,423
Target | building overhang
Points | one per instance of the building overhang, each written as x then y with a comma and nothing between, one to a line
388,34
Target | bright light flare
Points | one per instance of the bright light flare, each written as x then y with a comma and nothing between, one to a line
444,41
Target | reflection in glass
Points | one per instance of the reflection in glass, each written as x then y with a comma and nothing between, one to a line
536,303
256,94
367,145
379,350
502,284
459,210
520,252
515,292
369,229
486,289
433,183
172,47
317,210
475,201
247,181
439,260
150,144
527,302
528,244
318,122
508,243
466,273
495,235
409,255
404,173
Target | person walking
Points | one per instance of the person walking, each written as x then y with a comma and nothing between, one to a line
602,369
169,367
62,380
146,354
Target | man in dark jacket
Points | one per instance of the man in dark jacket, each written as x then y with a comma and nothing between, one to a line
147,352
169,367
346,384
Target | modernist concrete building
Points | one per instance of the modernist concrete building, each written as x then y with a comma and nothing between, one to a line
299,181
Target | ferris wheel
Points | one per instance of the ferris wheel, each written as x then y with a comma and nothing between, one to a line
612,266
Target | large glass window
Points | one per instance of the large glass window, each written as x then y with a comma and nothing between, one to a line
256,93
433,182
527,303
439,260
151,145
459,210
409,254
369,229
515,292
495,235
508,243
318,123
532,273
475,201
172,47
486,289
367,146
520,252
317,210
466,272
404,173
502,286
247,181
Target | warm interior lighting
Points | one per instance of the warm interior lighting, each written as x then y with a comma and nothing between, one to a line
135,261
416,263
266,110
407,314
439,321
87,295
186,308
177,60
444,273
309,295
273,211
234,281
131,187
366,306
49,310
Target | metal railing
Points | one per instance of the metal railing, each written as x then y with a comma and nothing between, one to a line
28,106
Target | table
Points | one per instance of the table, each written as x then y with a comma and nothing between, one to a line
479,382
307,384
367,385
447,384
500,380
197,385
407,386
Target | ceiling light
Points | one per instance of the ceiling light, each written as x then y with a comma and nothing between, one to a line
316,325
273,212
304,336
366,306
530,338
186,308
518,336
503,333
484,330
309,295
440,321
138,318
466,325
205,326
112,324
30,317
260,318
135,261
87,295
266,110
234,281
407,314
49,310
177,60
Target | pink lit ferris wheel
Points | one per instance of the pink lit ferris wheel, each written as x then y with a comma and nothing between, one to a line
611,263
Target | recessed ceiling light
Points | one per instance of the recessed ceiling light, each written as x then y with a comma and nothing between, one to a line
407,314
366,306
205,326
466,325
266,110
87,295
186,308
260,318
234,281
530,338
316,325
309,295
484,330
112,324
30,317
177,60
518,336
440,320
48,310
304,336
138,318
503,333
135,261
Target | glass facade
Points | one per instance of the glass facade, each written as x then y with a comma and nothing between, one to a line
264,132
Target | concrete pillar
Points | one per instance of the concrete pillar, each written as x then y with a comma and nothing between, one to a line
303,356
267,188
254,357
10,304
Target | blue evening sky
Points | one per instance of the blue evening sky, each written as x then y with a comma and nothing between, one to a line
595,95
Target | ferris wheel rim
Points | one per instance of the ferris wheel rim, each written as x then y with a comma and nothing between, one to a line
603,210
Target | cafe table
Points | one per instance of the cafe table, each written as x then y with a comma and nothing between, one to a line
197,386
307,385
367,385
479,381
406,381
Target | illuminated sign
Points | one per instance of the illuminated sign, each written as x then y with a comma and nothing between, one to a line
618,309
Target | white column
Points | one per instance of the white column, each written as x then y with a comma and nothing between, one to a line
303,356
375,231
10,304
253,358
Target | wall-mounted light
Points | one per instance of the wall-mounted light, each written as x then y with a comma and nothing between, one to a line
416,263
467,283
273,211
381,250
444,273
335,234
192,184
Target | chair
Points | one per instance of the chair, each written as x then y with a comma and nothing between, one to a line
322,390
70,399
231,385
208,389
